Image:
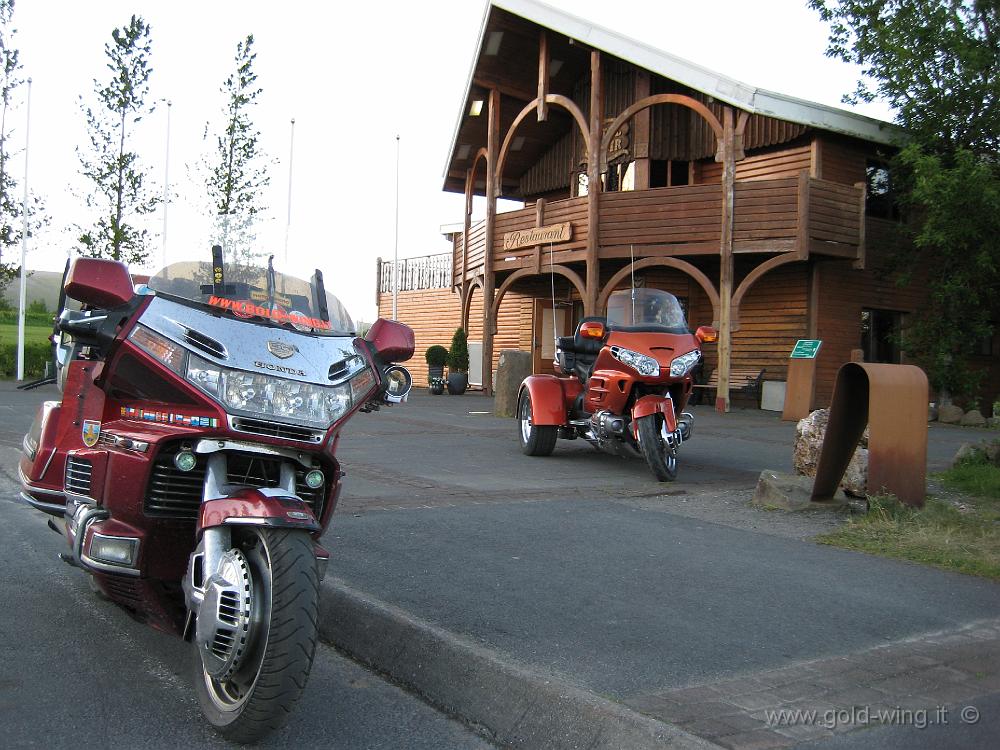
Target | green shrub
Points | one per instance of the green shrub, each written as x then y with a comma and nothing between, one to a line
436,355
36,354
458,357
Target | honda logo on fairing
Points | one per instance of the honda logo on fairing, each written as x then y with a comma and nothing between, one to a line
281,350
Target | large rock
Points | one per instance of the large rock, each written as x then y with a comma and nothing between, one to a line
965,452
950,414
992,451
789,492
993,423
513,367
809,435
973,419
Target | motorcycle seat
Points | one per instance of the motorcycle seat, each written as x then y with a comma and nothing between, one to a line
577,354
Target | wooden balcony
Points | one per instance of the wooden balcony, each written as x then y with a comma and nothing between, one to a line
797,214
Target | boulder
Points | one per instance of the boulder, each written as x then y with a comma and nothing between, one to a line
512,368
973,418
992,451
993,423
950,414
932,412
966,452
809,434
789,492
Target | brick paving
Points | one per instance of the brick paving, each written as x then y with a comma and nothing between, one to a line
936,674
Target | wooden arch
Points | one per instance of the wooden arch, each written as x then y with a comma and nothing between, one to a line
565,271
559,100
751,278
467,292
681,265
649,101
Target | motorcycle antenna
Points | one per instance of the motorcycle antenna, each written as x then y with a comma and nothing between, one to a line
631,250
270,282
552,283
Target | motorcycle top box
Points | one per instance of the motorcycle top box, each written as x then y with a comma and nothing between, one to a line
626,380
192,460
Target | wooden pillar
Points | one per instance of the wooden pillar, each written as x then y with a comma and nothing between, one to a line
489,277
594,184
466,231
726,260
543,75
641,129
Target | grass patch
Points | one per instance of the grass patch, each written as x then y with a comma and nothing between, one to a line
958,530
32,332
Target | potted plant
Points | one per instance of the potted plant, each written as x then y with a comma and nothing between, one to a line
458,363
436,357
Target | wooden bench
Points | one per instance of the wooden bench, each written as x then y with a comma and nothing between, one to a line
745,380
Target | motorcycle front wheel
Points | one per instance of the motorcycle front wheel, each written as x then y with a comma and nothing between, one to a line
662,458
258,697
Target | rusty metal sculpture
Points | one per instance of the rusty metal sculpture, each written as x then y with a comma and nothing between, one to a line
892,401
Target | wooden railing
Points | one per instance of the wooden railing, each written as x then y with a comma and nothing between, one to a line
572,210
426,272
791,214
687,217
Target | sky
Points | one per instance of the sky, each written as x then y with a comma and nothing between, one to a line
354,76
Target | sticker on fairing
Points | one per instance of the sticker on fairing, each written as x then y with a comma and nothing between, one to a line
248,308
91,432
166,417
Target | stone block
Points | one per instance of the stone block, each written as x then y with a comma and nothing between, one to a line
790,492
809,435
973,419
950,414
512,368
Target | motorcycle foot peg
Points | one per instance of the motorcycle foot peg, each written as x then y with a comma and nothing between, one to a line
68,559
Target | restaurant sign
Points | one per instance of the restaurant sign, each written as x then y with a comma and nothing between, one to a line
538,236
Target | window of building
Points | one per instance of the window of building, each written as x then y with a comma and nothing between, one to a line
880,200
880,331
665,173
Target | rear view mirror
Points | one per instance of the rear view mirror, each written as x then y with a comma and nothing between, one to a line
592,330
99,283
706,334
392,341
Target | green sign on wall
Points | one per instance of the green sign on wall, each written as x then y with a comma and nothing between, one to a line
806,349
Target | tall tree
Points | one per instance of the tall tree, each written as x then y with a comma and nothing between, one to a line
120,196
937,63
237,170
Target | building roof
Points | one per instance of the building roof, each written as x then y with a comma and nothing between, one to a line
736,93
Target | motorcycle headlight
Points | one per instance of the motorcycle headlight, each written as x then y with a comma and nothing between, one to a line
642,364
265,395
682,365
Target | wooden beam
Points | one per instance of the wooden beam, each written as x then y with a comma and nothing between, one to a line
859,263
489,277
640,132
728,153
539,222
594,154
504,88
816,158
543,75
802,225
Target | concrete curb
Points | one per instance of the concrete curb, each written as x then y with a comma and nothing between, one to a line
513,704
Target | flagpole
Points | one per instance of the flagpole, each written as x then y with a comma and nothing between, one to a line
291,155
166,189
395,252
24,246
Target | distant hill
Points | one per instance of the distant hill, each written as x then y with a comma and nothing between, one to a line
43,285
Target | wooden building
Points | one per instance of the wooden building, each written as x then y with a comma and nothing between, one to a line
768,216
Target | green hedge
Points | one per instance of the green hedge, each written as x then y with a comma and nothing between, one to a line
37,319
36,354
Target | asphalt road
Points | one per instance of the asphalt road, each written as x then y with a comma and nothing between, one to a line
76,671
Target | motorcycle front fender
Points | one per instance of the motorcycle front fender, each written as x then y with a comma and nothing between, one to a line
548,399
258,507
655,405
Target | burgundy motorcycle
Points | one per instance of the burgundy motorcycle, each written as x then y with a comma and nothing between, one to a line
192,461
